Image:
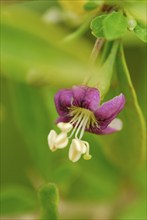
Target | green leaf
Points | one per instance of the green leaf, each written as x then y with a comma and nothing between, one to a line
141,32
91,5
127,147
49,198
114,25
31,51
17,200
34,121
136,8
97,26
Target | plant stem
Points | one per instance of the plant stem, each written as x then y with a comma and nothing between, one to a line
78,33
49,197
96,49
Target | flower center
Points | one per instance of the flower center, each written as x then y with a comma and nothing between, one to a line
81,119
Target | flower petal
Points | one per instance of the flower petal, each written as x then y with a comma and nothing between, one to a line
63,100
86,97
64,119
109,110
114,126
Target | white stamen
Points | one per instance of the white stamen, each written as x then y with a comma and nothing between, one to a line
51,140
87,156
83,149
76,149
66,127
83,127
79,119
80,125
61,140
74,119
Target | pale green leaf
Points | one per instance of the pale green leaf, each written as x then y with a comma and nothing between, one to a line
141,31
31,51
137,9
114,25
97,26
90,5
34,122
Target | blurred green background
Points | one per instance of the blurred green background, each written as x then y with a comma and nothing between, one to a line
35,64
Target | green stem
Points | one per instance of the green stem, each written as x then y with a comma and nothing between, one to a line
96,49
125,79
48,195
78,33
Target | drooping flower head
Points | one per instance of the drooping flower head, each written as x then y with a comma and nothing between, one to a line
79,110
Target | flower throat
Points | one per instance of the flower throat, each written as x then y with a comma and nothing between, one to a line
81,119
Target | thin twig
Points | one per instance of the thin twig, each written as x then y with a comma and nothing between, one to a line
96,49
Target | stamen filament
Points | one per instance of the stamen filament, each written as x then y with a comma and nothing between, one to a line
73,131
87,156
79,127
83,127
74,119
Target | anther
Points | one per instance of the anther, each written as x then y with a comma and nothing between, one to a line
51,140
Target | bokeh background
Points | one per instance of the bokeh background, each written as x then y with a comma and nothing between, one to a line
35,64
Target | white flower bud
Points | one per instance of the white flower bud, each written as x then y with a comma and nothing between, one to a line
131,24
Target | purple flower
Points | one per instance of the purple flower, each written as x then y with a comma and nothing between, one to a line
85,100
79,110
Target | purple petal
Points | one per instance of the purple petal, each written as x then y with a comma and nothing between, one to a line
63,100
109,110
63,119
114,126
86,97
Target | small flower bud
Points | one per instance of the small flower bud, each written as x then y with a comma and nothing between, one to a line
131,24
